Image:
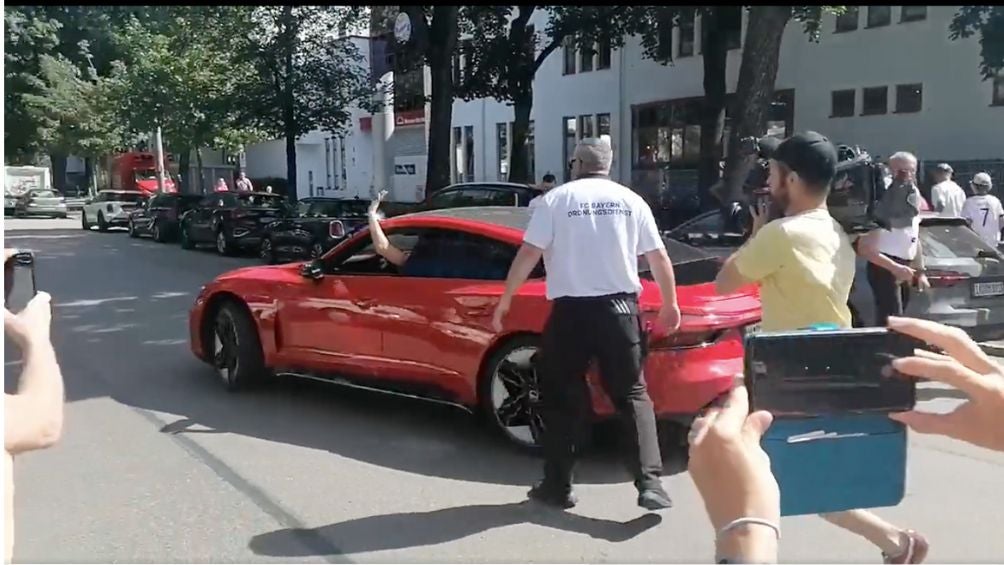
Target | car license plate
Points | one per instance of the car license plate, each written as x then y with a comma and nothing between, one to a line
984,289
751,329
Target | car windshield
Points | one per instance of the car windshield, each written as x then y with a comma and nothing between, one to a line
149,174
690,265
953,241
275,201
44,194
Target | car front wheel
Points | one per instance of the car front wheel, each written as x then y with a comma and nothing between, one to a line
509,393
186,238
84,224
266,252
223,246
102,224
237,354
132,229
157,233
316,251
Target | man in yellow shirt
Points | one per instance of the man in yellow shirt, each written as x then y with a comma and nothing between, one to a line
804,265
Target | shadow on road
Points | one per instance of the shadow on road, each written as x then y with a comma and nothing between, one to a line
120,328
416,529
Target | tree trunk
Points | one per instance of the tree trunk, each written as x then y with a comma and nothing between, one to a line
198,165
715,57
57,161
288,102
757,74
89,175
519,169
442,41
184,164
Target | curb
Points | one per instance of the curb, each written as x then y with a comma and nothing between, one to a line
993,348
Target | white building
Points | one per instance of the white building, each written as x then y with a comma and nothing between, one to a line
888,79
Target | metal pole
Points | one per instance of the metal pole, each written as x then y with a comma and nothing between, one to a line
160,161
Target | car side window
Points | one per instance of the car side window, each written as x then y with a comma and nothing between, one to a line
444,199
449,254
207,202
472,197
496,197
362,258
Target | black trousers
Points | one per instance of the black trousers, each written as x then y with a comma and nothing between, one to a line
607,329
891,297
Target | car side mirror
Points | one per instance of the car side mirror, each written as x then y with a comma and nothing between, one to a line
312,271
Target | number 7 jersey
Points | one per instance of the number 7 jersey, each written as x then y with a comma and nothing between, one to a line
985,215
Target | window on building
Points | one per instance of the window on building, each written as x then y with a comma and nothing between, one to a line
586,53
604,53
731,24
570,129
456,67
848,21
913,13
569,56
685,37
469,153
879,16
603,124
842,103
664,39
909,98
458,155
997,98
586,128
502,151
875,101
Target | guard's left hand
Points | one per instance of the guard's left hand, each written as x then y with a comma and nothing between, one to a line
923,285
500,312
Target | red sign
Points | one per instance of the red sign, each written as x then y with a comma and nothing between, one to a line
409,118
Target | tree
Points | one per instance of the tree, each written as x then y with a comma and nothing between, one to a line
305,72
433,41
28,37
504,52
988,21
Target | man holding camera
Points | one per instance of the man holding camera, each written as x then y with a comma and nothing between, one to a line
804,265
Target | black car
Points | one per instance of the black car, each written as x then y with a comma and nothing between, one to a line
314,227
232,220
468,194
158,216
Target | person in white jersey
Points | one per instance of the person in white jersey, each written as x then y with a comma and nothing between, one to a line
983,210
590,233
895,257
947,197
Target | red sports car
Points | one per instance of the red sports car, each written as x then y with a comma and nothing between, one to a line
350,318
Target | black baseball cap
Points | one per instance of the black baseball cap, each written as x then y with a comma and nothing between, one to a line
809,154
768,145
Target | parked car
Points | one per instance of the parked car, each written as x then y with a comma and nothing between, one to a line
314,227
159,214
233,221
424,330
468,194
966,273
110,208
40,202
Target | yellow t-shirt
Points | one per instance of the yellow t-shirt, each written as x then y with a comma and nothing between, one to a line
804,265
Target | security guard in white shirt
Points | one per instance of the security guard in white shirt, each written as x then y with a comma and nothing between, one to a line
590,233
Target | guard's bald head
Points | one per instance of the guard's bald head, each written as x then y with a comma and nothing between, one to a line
594,156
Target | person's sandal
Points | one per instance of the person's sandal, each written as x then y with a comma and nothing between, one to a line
915,552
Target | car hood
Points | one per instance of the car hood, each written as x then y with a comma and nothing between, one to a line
289,272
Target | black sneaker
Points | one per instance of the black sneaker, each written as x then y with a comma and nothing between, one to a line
654,498
552,496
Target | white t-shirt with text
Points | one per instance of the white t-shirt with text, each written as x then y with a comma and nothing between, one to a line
592,231
900,242
949,198
984,213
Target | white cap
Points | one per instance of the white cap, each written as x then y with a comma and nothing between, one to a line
983,179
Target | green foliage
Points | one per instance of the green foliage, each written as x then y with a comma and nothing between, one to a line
988,22
26,39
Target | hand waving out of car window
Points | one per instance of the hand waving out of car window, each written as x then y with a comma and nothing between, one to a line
380,242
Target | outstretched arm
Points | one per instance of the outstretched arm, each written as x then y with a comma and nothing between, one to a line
380,242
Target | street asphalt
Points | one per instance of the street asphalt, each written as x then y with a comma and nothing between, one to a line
159,464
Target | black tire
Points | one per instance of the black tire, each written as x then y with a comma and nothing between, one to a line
223,246
132,229
158,233
84,224
236,348
186,238
523,395
316,250
102,224
266,251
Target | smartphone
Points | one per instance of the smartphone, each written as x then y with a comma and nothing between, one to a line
829,372
19,280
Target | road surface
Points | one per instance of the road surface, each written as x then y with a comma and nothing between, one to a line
159,464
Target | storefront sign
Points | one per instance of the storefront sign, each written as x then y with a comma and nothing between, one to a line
409,118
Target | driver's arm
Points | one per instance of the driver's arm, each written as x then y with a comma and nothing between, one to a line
382,245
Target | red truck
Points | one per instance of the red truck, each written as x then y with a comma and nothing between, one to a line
137,170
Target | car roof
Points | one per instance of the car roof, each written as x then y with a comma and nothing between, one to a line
109,191
331,199
487,184
501,216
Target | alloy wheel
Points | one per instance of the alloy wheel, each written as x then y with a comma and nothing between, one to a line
156,232
225,358
515,397
265,252
316,251
221,243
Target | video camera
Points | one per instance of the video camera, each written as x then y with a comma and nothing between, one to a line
857,189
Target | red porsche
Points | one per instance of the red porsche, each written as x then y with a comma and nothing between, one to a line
349,318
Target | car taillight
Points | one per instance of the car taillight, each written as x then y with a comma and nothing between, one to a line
336,229
945,279
684,339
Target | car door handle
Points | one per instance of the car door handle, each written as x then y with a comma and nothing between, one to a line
479,311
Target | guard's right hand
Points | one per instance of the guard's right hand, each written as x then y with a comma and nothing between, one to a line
980,419
500,312
32,324
904,274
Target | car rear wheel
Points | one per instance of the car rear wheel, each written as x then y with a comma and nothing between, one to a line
102,224
84,224
157,233
186,238
266,252
222,244
237,354
132,229
509,393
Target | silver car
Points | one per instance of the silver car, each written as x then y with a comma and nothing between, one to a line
40,202
966,274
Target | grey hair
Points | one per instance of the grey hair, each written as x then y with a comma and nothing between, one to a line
595,155
903,156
